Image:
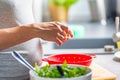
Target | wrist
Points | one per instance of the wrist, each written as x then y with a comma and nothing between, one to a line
33,30
29,31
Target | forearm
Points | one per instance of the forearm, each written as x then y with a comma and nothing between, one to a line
12,36
50,31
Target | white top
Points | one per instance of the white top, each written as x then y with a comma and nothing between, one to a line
19,12
13,13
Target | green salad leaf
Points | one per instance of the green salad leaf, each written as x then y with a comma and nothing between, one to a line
52,72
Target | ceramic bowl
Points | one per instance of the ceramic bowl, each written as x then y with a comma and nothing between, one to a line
87,76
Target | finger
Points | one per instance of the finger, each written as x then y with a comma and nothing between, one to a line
66,36
61,37
63,33
63,26
66,32
58,41
70,33
58,26
66,29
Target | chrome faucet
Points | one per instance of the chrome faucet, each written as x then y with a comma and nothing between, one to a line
116,35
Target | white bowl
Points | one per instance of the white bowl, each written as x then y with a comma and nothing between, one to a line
33,76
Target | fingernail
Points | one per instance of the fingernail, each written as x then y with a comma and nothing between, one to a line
58,44
67,31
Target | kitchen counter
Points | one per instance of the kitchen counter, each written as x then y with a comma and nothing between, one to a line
103,58
106,61
110,63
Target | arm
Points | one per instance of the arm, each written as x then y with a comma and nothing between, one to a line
12,36
49,31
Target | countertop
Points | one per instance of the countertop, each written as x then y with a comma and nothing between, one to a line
106,61
110,63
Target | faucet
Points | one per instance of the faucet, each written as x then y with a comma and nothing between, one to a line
116,35
116,38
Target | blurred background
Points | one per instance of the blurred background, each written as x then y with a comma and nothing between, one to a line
81,10
91,21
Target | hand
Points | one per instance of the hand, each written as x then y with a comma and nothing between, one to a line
53,31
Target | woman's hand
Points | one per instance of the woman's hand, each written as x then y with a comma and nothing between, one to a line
50,31
53,31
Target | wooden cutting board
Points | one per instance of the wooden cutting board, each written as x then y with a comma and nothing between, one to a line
99,73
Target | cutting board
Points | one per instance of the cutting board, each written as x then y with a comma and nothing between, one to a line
100,73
